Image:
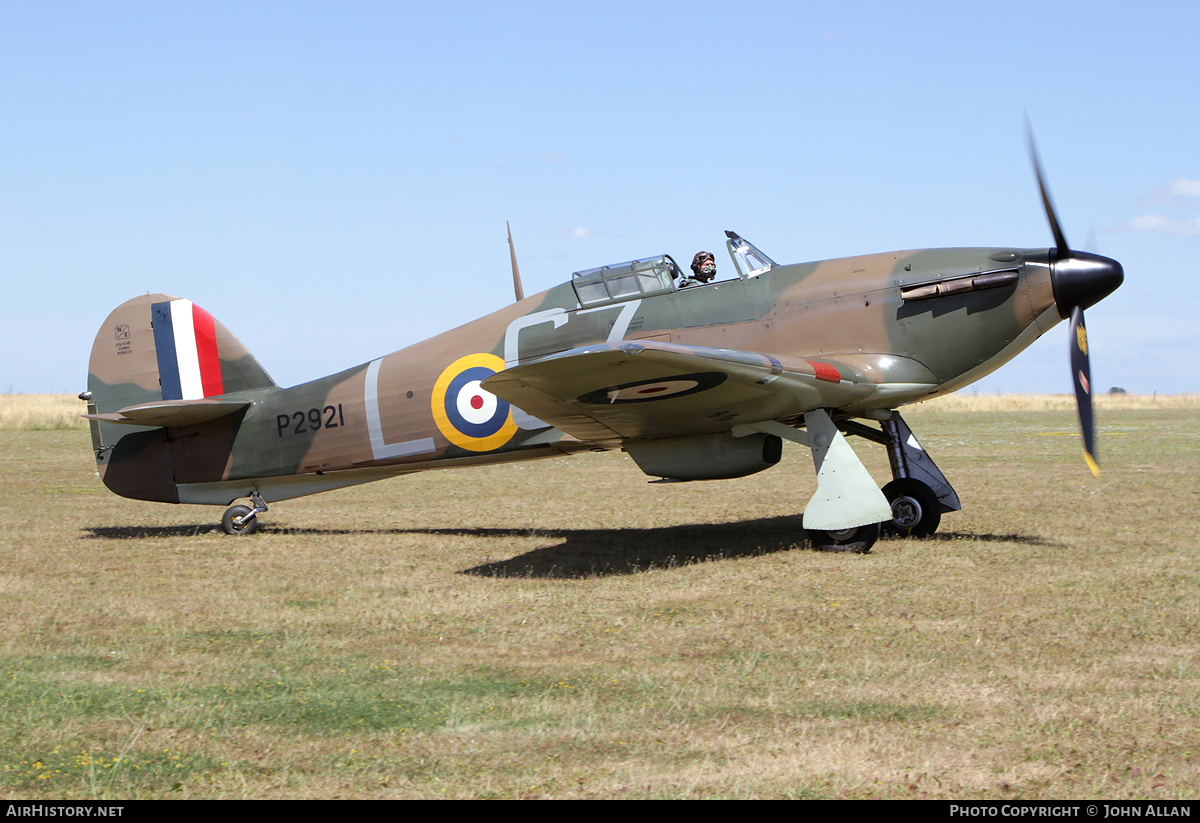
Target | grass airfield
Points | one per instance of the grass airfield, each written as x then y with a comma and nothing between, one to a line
565,629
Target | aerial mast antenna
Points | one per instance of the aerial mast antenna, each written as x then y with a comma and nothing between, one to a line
512,250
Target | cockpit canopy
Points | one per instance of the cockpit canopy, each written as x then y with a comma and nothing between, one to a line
623,281
657,275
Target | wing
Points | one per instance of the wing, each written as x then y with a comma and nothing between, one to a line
646,389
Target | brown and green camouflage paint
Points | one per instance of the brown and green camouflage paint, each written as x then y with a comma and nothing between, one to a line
845,324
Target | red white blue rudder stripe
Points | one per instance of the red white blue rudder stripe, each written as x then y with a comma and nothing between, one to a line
185,340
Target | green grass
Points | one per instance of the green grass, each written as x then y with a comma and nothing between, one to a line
565,629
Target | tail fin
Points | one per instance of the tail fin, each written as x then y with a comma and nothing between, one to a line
158,347
155,361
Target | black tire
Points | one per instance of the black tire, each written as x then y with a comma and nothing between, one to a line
858,540
249,527
916,511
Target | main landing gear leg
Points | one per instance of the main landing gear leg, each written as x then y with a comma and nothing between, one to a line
846,509
919,493
240,520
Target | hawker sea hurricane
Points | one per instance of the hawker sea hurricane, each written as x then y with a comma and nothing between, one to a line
695,379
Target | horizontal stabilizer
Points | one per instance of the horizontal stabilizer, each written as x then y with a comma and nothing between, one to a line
173,413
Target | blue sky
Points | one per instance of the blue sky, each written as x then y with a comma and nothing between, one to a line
332,180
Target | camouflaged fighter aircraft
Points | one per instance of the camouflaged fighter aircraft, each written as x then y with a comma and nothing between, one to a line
695,383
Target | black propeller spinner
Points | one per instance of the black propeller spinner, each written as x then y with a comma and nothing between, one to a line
1079,280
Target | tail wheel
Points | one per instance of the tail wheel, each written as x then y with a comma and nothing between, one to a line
916,511
242,527
859,539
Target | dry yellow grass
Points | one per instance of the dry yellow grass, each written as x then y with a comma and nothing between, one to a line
565,629
965,401
39,412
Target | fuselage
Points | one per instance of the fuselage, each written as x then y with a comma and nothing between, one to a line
893,328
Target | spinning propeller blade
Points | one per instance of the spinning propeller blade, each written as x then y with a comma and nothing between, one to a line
1060,240
1080,279
1081,373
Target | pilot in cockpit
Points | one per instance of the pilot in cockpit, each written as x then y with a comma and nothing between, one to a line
704,269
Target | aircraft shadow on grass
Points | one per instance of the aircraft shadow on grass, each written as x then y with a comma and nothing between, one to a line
598,552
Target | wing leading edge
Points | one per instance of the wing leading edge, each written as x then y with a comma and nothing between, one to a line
647,389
